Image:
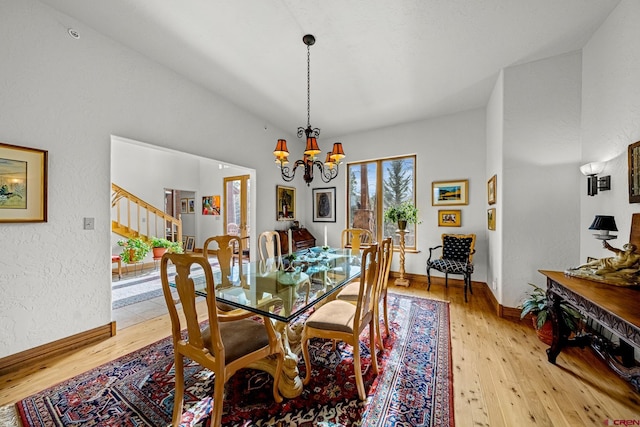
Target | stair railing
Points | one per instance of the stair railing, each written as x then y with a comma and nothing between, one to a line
139,216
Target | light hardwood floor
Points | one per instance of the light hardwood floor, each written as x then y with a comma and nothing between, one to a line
500,373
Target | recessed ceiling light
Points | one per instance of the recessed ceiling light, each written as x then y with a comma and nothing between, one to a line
73,33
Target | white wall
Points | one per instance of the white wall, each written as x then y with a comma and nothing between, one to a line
495,121
448,148
610,121
69,96
540,188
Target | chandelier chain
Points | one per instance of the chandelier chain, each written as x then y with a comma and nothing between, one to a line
308,86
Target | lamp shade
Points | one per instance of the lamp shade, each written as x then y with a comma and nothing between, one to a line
312,147
604,222
338,152
281,149
593,168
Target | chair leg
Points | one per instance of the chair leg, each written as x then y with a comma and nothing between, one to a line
372,345
358,370
218,400
307,360
386,315
428,278
376,316
470,288
446,279
179,390
465,288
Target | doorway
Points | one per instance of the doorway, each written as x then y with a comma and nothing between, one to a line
237,209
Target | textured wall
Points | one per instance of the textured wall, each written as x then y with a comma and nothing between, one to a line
69,96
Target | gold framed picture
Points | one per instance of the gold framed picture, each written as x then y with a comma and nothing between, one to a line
285,203
491,190
450,193
491,218
449,218
23,184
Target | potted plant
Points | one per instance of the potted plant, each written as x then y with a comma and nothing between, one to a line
161,245
535,303
134,250
404,213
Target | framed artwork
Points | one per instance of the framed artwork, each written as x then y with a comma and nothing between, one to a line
491,190
324,204
285,203
634,172
191,205
491,218
184,241
23,184
183,206
211,205
449,218
191,243
450,193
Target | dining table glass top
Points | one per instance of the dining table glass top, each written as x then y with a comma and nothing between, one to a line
283,294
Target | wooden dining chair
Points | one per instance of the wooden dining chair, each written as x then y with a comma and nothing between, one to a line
270,250
341,320
350,292
355,238
223,347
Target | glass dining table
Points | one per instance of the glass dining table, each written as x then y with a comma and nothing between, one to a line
283,295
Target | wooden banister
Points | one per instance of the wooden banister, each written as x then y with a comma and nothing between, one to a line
162,221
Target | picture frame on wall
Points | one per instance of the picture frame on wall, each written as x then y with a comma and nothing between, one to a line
23,184
191,205
633,153
491,190
184,203
450,218
491,219
450,193
285,203
324,204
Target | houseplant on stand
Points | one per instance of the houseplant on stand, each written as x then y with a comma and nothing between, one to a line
134,250
402,214
535,303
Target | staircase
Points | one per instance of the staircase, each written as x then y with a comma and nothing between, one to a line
136,218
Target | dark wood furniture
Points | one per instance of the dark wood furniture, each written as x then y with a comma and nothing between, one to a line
615,307
302,239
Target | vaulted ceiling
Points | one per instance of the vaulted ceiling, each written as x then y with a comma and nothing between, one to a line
375,62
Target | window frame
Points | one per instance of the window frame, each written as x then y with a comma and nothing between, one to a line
378,209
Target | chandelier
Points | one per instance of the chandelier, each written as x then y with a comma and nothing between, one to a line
328,169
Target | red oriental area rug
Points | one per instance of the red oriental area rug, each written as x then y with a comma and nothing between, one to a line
413,388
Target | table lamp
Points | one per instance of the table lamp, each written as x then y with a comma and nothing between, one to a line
605,224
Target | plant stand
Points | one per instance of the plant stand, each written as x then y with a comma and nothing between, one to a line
402,281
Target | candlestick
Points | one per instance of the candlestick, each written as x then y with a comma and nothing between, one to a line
325,235
290,243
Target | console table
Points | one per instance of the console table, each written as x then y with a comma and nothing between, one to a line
614,307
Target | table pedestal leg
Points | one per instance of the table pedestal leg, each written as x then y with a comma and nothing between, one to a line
290,385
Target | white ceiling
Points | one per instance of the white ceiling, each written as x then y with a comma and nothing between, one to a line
375,62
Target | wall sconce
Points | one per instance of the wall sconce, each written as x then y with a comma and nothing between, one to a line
604,224
591,170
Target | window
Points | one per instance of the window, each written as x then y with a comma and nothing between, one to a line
374,186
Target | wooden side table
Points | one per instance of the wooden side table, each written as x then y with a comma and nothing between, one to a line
402,281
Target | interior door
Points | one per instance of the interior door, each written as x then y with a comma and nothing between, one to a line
236,208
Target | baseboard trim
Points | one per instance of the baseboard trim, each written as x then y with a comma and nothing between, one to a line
512,313
56,348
